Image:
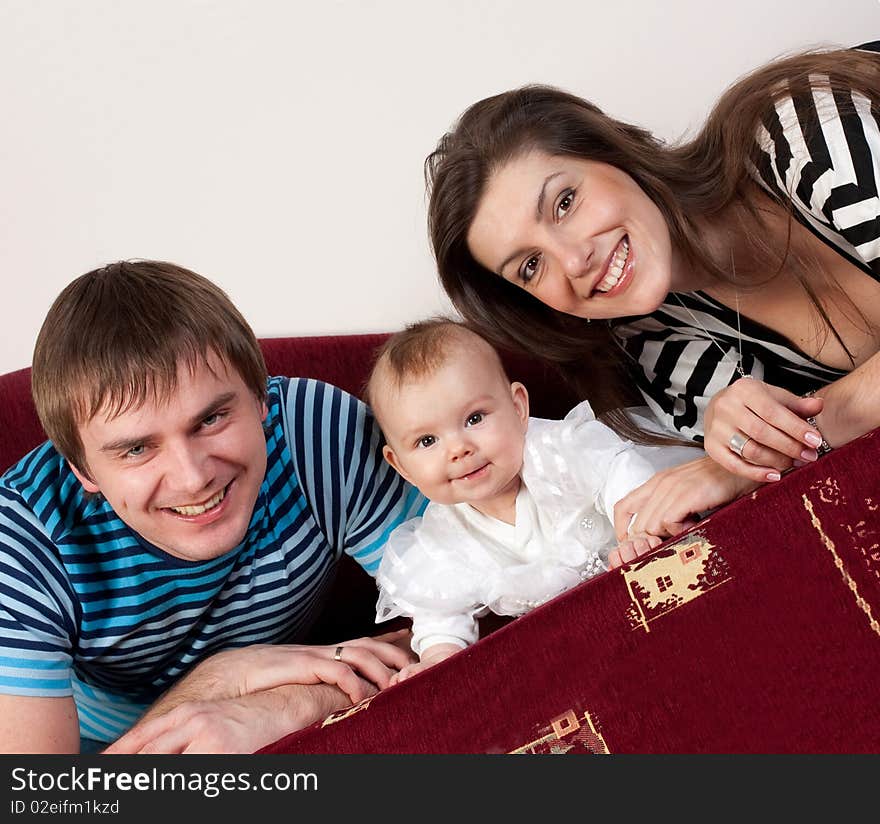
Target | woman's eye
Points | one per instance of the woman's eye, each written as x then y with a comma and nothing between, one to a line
426,440
527,272
565,202
474,419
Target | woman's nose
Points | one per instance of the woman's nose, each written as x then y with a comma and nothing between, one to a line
575,260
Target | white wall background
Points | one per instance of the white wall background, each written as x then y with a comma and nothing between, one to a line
277,147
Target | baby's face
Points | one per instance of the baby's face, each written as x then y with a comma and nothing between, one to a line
458,433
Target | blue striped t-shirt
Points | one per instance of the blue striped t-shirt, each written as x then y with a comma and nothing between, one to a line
90,609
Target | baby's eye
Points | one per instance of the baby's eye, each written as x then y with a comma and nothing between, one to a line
426,440
474,419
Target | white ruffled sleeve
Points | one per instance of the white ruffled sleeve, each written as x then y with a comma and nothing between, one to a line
582,456
425,576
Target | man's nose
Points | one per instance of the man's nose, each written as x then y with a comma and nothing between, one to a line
187,470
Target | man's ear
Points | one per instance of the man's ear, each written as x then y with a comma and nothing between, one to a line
520,397
388,454
88,484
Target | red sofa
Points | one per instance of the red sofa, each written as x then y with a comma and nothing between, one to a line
756,631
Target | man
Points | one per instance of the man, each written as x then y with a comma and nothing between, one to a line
182,522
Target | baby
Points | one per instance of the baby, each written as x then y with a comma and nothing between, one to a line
520,509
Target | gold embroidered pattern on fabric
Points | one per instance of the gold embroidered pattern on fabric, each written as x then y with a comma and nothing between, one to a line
672,577
341,715
838,562
566,732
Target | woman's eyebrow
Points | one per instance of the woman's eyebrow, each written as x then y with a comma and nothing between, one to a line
539,213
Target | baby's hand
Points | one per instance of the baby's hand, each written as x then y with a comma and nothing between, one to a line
432,655
632,548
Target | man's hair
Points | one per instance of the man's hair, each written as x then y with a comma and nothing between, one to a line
419,350
116,337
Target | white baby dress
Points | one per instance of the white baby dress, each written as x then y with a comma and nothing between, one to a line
453,564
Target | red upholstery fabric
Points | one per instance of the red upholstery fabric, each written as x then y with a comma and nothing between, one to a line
755,632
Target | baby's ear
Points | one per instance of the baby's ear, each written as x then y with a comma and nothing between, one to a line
391,458
520,397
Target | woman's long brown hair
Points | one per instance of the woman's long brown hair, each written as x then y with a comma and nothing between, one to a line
703,177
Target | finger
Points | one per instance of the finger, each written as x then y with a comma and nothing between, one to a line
781,428
341,675
728,460
755,453
627,552
141,734
614,559
392,655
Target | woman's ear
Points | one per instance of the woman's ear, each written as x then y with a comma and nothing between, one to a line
520,397
87,483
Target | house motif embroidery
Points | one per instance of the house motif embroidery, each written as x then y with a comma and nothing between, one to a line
672,577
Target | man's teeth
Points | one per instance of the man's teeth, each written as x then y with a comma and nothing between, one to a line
615,269
198,509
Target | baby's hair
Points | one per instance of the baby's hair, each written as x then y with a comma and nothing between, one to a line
420,349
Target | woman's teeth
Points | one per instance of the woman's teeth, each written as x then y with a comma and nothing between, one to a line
615,268
198,509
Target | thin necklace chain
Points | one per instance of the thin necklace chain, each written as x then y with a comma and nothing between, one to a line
738,365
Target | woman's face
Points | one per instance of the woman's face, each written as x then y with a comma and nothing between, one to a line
579,235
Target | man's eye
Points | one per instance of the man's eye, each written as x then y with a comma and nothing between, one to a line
213,419
135,451
527,272
426,440
474,419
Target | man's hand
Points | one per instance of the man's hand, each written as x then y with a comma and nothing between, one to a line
234,725
222,691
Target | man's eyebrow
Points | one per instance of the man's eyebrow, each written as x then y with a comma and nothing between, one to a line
124,444
539,213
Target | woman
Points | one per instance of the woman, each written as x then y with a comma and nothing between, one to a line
752,250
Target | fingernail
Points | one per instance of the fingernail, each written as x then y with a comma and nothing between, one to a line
773,476
809,455
812,439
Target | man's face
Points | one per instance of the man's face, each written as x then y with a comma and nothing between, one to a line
184,473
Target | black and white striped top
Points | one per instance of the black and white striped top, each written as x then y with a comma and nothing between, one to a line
826,160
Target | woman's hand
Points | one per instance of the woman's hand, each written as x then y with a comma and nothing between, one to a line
771,419
631,548
667,503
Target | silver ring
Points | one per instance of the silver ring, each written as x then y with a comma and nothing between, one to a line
737,443
337,656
